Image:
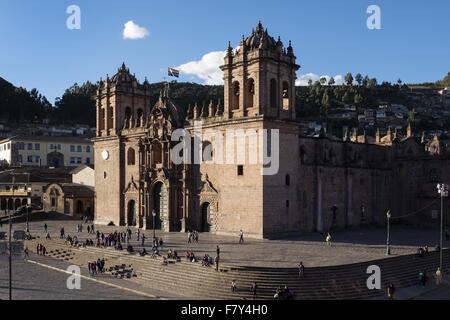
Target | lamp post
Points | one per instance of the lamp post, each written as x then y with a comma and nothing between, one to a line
9,235
154,215
388,248
443,191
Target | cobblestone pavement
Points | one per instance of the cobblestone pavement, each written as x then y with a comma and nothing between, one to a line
348,246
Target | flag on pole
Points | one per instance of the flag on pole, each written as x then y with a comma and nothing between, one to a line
174,73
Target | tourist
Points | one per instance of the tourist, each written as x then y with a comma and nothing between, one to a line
61,233
301,269
422,278
216,261
328,239
165,261
438,276
233,286
89,229
253,290
143,239
287,294
189,236
138,233
161,243
92,229
218,251
390,291
45,228
26,253
241,237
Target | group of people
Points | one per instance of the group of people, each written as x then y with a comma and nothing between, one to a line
207,260
96,267
283,294
41,250
190,256
192,236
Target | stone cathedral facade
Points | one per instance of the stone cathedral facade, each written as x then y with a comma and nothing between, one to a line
322,182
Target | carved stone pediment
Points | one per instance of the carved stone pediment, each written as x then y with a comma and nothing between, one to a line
131,187
208,188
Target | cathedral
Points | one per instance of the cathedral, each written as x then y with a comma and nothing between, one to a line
321,182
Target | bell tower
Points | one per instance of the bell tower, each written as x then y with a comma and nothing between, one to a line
259,78
121,102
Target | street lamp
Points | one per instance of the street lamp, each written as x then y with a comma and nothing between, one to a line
154,216
443,191
388,248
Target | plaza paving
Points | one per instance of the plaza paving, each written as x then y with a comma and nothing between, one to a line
348,246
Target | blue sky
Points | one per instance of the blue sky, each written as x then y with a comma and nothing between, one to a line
329,38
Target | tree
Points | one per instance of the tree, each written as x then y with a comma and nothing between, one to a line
323,80
358,99
399,81
373,83
331,81
365,81
347,97
310,82
348,79
359,79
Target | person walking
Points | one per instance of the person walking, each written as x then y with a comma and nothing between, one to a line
390,291
301,269
438,276
422,278
253,290
189,237
328,239
26,253
45,228
218,251
241,237
143,239
216,261
138,233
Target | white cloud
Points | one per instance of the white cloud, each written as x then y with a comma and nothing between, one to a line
133,31
207,68
302,80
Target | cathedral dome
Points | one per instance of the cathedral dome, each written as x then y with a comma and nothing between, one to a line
258,36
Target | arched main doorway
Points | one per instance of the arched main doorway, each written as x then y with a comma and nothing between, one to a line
79,207
131,213
207,221
160,205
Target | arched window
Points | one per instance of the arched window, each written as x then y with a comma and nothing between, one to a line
250,93
140,114
127,113
111,117
102,119
131,157
273,94
207,151
157,153
286,96
235,95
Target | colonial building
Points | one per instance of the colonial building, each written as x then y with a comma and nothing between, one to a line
319,183
47,151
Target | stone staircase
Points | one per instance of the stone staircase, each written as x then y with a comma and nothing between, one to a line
195,281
